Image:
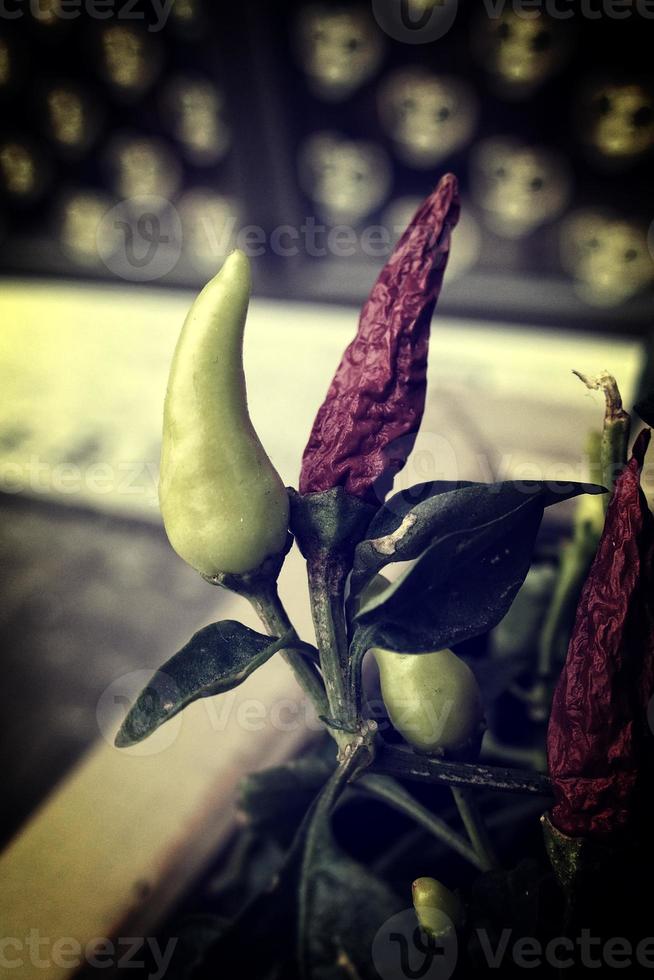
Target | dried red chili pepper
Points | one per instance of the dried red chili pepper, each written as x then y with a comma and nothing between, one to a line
366,426
598,731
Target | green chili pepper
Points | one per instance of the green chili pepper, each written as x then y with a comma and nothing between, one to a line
433,700
224,506
438,909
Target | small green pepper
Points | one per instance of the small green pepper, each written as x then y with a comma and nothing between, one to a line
433,700
224,506
438,909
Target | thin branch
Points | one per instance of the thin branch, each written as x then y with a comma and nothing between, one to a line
395,761
386,789
270,609
475,827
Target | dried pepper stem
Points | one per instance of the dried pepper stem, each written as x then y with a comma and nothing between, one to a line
615,434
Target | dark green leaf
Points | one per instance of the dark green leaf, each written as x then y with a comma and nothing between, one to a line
451,595
460,587
262,937
342,904
402,530
274,801
216,659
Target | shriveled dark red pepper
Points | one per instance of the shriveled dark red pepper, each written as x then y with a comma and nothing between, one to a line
367,424
599,742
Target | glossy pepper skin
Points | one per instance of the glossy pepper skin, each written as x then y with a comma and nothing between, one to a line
598,742
367,425
438,909
433,700
225,508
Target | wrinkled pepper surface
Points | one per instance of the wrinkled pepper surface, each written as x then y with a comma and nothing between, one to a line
599,743
367,425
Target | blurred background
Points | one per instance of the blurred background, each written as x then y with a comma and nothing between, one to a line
269,126
140,142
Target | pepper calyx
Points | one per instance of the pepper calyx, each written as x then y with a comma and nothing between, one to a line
329,522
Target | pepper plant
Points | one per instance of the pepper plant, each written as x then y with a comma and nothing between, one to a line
465,549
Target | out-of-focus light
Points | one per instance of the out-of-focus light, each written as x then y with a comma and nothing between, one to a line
187,19
184,10
338,48
68,118
194,109
81,215
398,214
428,117
5,63
46,12
518,187
520,53
417,7
346,179
209,227
19,171
130,61
618,120
606,255
143,168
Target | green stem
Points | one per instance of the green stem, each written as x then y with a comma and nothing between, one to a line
615,434
327,577
387,789
361,643
265,600
475,828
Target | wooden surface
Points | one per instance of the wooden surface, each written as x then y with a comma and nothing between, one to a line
90,608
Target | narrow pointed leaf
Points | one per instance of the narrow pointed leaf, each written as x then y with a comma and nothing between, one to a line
402,530
216,659
465,581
